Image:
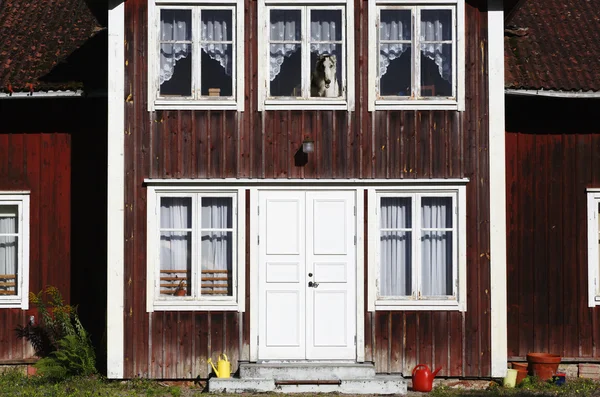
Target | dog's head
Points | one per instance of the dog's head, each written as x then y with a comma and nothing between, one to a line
326,65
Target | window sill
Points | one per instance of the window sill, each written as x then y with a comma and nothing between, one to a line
196,305
422,305
424,104
292,104
194,105
12,304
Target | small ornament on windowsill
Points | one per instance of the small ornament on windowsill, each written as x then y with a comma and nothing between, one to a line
214,92
180,290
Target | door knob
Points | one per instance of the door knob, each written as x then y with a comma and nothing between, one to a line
309,274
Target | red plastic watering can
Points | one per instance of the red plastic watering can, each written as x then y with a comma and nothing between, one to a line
422,377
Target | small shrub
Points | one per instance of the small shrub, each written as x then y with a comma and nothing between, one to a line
59,339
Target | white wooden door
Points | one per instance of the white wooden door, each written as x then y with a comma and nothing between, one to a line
307,275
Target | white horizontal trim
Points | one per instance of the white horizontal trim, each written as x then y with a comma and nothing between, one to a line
195,105
417,2
593,190
428,307
415,106
40,94
14,193
274,104
196,306
303,3
218,184
553,93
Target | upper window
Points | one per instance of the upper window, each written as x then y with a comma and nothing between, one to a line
593,246
14,250
193,250
419,250
417,54
196,55
306,57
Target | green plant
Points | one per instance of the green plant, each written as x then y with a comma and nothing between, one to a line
60,339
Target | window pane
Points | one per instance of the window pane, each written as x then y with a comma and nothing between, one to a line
8,249
285,70
175,72
436,246
176,69
325,78
217,76
217,213
217,263
217,55
436,56
175,245
395,54
175,213
395,247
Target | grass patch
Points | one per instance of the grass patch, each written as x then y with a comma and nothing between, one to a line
14,383
530,386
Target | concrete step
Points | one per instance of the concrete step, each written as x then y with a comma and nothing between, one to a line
379,384
307,371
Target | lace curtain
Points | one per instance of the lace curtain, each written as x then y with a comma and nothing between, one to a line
175,25
175,245
8,246
436,246
435,26
285,26
395,247
216,246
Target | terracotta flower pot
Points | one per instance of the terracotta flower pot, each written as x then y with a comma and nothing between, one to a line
543,365
521,371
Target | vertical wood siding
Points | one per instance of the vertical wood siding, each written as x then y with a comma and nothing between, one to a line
551,160
39,163
359,144
56,149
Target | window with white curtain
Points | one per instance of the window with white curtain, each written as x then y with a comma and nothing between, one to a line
593,232
196,55
14,250
417,53
419,249
193,249
304,54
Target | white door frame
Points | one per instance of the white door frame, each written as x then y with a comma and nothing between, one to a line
360,265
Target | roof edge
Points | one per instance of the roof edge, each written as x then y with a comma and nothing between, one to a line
553,93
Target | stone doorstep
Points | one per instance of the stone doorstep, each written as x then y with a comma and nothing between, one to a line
307,371
380,384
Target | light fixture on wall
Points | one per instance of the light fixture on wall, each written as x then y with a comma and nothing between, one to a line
308,146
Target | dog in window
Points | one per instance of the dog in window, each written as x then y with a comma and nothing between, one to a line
323,82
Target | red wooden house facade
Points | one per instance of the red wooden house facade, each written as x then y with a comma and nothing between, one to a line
52,162
553,180
378,245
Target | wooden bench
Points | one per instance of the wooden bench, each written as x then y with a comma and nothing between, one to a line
214,282
8,284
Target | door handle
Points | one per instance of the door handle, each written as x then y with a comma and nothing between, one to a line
313,284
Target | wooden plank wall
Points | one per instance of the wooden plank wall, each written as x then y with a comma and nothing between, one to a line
56,149
359,144
39,163
553,155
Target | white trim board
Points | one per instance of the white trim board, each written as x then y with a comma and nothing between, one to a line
499,338
303,183
554,93
593,198
115,326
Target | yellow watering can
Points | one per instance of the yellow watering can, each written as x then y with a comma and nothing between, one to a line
223,369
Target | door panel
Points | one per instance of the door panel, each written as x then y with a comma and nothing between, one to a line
309,239
282,299
331,306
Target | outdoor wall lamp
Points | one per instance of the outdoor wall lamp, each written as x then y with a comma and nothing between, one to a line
308,146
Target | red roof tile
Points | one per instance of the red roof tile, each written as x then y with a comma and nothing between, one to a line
554,45
37,35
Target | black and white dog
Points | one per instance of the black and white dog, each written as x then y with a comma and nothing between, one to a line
323,82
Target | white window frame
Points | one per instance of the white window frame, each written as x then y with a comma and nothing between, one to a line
266,103
155,102
21,299
456,303
157,302
458,69
593,232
